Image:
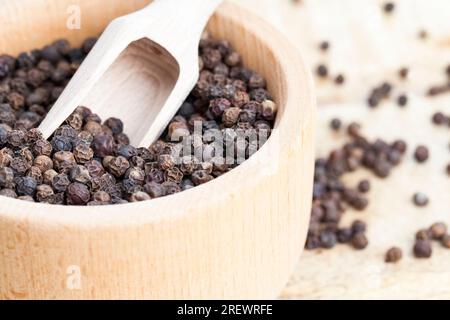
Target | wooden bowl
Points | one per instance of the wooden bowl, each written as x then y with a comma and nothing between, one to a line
238,236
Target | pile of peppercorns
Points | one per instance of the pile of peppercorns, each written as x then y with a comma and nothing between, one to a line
90,162
331,196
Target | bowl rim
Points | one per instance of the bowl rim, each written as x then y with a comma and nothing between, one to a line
298,91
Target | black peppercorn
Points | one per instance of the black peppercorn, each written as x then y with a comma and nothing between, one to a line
233,59
20,165
35,173
9,193
403,73
324,45
446,241
388,7
60,182
230,116
359,241
155,190
6,177
17,138
83,153
438,230
6,156
63,161
393,255
139,196
48,176
256,81
62,143
51,54
400,146
116,125
80,174
101,197
77,194
173,175
171,187
26,186
339,79
422,249
420,199
43,163
423,234
103,145
42,148
344,235
201,177
218,106
327,239
358,226
166,161
402,100
95,168
439,118
118,166
43,193
423,34
322,71
382,168
354,129
336,124
16,100
75,120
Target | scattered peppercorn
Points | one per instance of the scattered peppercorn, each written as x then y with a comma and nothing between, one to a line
423,34
324,45
358,226
422,249
393,255
328,239
339,79
360,241
446,241
364,186
423,234
378,94
439,89
421,154
402,100
322,71
388,7
336,124
344,235
420,199
439,119
403,73
438,230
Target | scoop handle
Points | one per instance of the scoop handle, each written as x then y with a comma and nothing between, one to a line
180,22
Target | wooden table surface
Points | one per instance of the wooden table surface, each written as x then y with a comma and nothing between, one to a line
369,47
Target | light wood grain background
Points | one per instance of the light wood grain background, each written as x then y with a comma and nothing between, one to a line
369,47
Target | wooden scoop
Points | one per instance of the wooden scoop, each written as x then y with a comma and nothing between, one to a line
141,69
